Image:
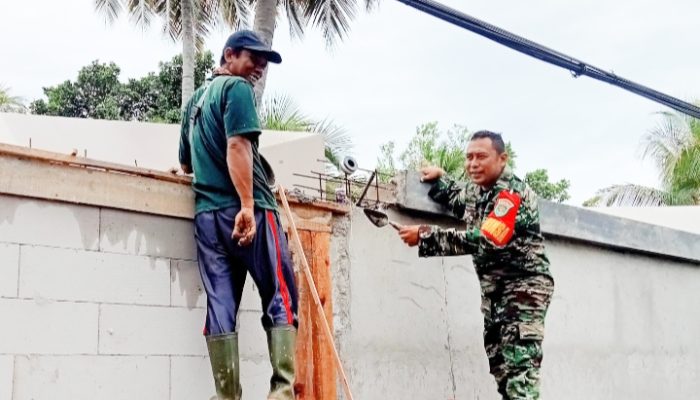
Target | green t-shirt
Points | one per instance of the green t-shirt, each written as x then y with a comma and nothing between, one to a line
228,110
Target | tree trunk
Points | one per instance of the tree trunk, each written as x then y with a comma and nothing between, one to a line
265,22
188,50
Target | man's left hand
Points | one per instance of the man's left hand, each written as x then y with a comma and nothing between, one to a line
409,234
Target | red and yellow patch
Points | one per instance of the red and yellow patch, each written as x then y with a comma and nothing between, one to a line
499,226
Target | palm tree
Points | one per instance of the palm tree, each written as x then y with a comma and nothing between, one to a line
191,21
9,103
186,20
280,113
333,17
674,146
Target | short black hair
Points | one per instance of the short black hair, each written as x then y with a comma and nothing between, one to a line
236,51
496,140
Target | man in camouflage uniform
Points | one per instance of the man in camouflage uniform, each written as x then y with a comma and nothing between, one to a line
503,236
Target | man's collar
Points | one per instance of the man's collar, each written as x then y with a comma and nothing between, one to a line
503,181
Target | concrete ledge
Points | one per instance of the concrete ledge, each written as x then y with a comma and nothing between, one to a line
593,227
575,223
70,179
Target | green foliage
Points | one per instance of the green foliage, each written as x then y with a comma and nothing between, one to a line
97,93
10,103
427,148
447,150
553,191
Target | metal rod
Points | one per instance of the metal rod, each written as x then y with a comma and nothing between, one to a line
311,188
376,186
320,185
364,192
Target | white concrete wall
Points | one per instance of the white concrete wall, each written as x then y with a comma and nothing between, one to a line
113,141
105,304
621,325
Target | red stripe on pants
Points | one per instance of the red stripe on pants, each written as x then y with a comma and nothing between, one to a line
284,292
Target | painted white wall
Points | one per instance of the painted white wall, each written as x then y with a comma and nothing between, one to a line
98,303
621,325
153,146
105,304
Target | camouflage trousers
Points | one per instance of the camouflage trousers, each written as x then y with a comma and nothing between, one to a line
514,313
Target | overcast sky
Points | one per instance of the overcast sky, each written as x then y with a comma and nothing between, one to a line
400,68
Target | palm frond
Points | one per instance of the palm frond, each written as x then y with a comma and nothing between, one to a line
371,5
684,197
664,143
169,10
335,138
694,126
280,113
141,12
632,196
331,157
686,174
234,13
205,19
296,16
109,9
9,103
332,17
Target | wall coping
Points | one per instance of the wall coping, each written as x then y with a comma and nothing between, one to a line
72,179
575,223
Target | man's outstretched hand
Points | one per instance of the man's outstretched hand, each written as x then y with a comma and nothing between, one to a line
429,174
409,234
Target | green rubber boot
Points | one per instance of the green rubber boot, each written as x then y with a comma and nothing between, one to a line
223,354
281,342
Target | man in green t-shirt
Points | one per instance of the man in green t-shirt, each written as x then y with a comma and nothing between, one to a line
237,227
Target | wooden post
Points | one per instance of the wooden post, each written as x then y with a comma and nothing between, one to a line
324,364
304,354
316,371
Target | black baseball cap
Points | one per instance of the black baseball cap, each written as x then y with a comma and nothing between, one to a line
249,40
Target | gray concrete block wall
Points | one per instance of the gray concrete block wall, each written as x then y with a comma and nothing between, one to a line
7,365
9,272
106,304
622,325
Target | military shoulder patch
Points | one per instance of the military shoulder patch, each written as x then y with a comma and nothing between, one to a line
502,207
499,227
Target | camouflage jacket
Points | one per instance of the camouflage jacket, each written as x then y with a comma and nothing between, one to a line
502,230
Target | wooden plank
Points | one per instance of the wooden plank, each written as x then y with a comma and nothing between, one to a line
304,353
324,364
52,176
27,178
316,298
306,225
57,158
